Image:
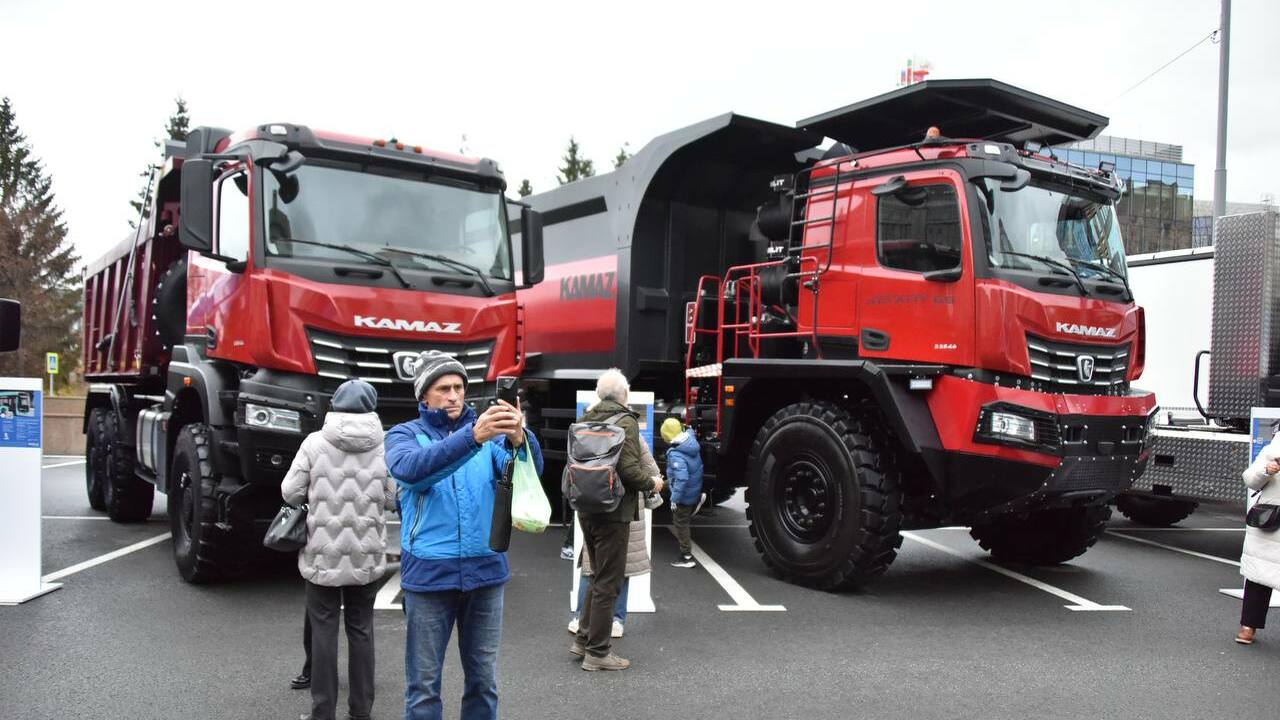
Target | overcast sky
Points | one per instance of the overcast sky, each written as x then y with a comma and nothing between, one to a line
93,82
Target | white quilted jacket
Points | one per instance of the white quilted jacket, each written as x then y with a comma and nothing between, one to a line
1261,559
340,473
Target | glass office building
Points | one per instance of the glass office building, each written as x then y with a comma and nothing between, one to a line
1156,208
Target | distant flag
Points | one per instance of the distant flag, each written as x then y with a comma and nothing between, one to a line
917,70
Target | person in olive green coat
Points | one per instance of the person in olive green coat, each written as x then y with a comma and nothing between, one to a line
604,535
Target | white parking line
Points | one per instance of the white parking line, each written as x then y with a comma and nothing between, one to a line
1184,551
106,558
743,602
1182,529
1078,603
74,517
386,598
65,464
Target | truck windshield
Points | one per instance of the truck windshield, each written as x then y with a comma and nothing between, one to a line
1048,223
460,225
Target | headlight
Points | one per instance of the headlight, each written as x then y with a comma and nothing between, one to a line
1013,426
272,418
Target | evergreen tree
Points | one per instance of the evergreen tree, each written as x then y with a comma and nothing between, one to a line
525,188
40,267
176,128
622,156
575,166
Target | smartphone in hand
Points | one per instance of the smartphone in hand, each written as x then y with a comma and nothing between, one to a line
508,389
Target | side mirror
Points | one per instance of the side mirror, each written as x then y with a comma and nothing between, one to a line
195,223
531,246
1017,182
10,325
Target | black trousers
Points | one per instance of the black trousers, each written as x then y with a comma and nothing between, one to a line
306,643
323,607
1253,611
605,543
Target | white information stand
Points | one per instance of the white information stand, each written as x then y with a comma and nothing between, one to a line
639,590
21,450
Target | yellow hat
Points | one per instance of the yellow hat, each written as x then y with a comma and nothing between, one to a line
671,427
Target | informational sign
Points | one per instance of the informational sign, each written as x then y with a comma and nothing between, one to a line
20,456
51,363
639,591
1263,424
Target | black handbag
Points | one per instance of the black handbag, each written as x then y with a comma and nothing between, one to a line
500,529
288,530
1263,517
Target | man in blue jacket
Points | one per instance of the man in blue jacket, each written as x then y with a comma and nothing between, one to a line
447,463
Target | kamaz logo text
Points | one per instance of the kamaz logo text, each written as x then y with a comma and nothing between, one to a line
1085,330
422,326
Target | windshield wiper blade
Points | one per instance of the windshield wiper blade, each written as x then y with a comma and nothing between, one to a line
354,251
1104,269
1052,262
484,282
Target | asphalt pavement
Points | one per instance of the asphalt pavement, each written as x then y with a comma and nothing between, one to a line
1135,628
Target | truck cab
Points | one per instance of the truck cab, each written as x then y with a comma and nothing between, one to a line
284,262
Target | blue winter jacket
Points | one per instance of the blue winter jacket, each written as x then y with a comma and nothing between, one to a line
684,469
447,486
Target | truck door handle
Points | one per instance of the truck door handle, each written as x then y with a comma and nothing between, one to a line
875,339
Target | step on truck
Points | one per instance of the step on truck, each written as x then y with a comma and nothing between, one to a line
924,324
1214,338
277,263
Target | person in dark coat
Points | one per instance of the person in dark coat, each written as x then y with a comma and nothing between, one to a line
604,535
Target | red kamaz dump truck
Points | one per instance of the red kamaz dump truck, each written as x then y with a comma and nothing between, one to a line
910,329
277,263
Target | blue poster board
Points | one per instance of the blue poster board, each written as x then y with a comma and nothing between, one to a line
1264,422
20,418
641,403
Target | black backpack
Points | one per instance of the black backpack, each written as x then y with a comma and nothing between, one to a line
590,480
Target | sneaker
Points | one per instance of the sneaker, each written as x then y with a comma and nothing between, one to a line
578,649
1245,636
591,663
617,629
701,499
302,682
684,561
566,552
652,501
573,626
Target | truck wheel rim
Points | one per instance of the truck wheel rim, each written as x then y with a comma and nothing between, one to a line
805,500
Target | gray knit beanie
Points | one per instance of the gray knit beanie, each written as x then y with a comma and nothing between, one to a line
430,366
355,396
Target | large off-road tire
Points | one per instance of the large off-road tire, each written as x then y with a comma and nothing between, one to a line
1155,512
127,497
201,550
95,442
169,308
1043,537
823,498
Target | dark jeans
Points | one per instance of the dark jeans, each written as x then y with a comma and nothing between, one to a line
1253,611
323,605
431,616
306,643
605,543
681,515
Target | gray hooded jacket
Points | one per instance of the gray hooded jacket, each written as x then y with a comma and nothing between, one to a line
340,473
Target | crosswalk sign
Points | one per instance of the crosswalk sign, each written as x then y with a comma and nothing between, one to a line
51,363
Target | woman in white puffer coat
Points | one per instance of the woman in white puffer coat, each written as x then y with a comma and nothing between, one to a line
339,472
1260,562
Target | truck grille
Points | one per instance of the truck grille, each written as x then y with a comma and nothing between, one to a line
1066,366
374,360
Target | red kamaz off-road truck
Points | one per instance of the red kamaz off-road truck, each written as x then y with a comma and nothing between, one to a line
277,263
909,329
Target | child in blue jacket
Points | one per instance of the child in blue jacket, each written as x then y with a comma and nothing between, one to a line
684,473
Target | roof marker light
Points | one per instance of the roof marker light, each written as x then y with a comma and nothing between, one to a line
380,143
991,149
279,130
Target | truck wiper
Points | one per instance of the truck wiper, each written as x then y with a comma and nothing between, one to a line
1053,263
1106,270
381,261
444,259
